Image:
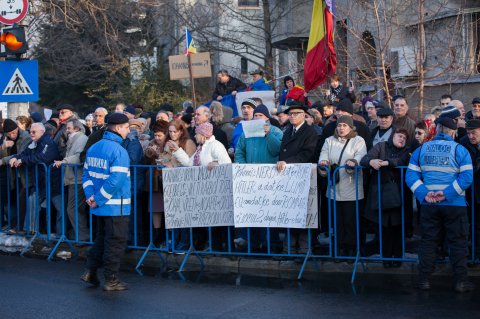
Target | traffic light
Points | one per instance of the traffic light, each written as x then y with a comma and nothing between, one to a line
14,40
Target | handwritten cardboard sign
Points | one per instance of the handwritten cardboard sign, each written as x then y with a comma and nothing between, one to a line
197,197
263,197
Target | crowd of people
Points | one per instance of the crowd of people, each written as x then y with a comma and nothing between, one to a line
332,133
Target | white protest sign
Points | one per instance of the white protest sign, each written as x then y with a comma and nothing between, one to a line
197,197
312,212
47,113
253,128
268,98
263,197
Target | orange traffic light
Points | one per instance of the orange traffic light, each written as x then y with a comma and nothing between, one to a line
14,40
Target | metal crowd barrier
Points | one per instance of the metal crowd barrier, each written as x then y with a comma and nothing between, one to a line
10,202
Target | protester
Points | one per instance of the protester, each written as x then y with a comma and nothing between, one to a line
424,131
155,154
227,85
42,150
345,148
384,158
472,143
24,122
258,82
292,92
76,206
338,91
257,150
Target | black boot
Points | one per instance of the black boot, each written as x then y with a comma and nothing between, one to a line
112,283
90,277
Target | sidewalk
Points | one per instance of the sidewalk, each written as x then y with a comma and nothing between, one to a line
279,267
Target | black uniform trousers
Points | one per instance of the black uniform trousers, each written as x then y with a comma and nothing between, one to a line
109,245
455,221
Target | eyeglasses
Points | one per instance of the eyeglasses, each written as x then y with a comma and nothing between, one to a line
33,132
64,112
295,114
98,115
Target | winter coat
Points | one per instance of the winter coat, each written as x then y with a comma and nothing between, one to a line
211,151
355,150
259,85
385,151
233,84
75,145
43,151
135,153
440,165
106,176
299,148
475,155
259,149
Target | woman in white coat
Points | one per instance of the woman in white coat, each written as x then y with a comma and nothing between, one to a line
345,148
210,152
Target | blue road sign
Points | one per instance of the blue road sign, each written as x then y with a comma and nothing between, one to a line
19,81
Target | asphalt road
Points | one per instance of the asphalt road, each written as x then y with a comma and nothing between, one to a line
33,288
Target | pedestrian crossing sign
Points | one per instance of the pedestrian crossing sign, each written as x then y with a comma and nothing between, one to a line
19,81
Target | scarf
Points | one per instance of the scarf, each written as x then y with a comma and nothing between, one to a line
196,156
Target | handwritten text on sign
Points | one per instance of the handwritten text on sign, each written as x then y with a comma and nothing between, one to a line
196,197
265,198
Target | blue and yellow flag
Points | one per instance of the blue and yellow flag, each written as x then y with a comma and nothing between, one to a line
190,45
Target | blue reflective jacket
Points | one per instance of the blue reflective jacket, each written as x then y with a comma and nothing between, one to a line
440,165
106,176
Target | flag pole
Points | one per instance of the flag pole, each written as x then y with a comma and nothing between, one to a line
190,72
192,82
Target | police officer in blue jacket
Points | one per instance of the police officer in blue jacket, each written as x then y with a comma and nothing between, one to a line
106,182
438,174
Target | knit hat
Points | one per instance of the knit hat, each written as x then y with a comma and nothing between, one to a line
167,107
263,110
130,109
250,102
9,125
451,112
345,105
447,122
345,119
36,117
476,100
117,118
205,129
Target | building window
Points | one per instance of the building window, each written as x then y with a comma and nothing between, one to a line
249,3
243,66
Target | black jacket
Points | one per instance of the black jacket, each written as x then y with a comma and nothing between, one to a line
395,157
299,148
233,84
475,154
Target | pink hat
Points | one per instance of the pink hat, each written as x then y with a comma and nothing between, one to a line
205,129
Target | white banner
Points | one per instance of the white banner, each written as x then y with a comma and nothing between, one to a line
312,212
263,197
196,197
268,98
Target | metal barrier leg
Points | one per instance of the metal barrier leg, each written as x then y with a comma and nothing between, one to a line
151,247
190,251
307,256
62,239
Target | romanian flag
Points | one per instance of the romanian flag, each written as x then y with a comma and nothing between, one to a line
320,61
190,45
